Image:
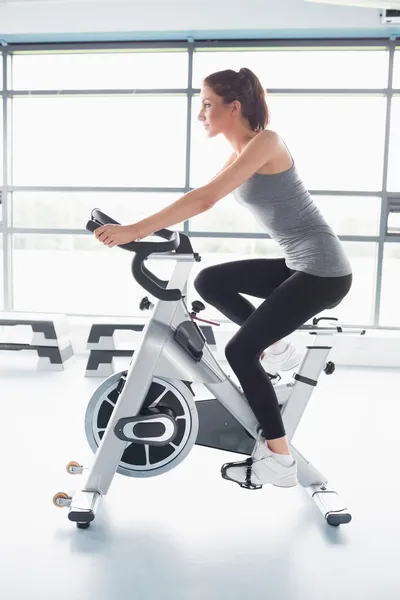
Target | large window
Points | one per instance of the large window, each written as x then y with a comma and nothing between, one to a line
109,127
333,141
300,67
108,142
112,70
71,210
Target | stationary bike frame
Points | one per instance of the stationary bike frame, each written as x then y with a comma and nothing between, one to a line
160,355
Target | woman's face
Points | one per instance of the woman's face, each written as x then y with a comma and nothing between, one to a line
214,114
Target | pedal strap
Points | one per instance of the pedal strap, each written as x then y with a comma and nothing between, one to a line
249,485
249,462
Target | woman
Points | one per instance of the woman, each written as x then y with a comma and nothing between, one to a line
313,275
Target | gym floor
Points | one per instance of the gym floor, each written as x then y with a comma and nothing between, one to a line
189,534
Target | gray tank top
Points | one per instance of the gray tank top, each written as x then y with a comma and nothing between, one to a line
282,204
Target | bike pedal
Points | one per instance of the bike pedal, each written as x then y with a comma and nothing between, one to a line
247,485
251,486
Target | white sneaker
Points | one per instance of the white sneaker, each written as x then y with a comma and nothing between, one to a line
260,469
284,361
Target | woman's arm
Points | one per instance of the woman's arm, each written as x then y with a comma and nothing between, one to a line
191,204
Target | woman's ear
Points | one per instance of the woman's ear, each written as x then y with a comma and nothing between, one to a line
236,106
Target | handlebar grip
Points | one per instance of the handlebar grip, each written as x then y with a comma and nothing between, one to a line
92,225
102,218
98,219
173,240
149,281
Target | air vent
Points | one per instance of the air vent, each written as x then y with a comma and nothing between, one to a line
390,16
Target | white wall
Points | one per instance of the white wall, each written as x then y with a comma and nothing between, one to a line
164,18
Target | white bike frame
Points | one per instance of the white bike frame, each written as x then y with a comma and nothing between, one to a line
159,355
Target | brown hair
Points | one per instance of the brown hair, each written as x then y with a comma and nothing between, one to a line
245,87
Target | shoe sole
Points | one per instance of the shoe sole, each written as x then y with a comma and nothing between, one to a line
286,484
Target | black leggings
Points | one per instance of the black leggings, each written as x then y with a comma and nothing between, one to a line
291,299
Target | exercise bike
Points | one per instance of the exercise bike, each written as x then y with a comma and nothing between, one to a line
144,421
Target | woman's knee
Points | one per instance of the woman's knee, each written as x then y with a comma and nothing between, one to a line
231,350
238,354
206,280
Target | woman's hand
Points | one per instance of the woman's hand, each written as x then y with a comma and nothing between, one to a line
116,235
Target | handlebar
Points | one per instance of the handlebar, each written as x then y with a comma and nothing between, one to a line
98,219
145,278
